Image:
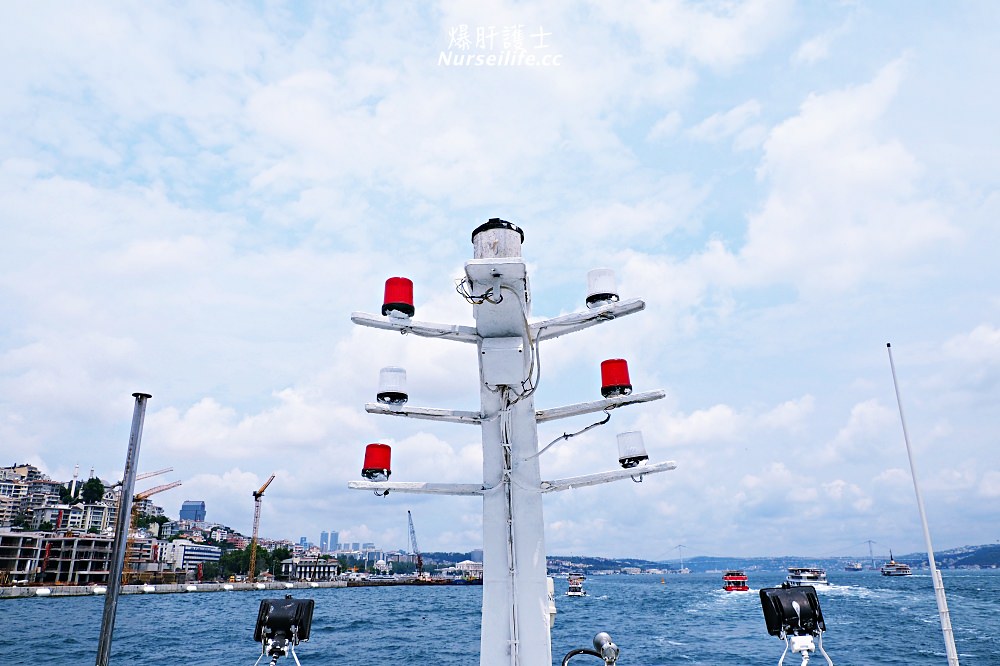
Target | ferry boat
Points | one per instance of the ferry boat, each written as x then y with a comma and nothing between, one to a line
735,580
894,568
853,566
575,588
814,576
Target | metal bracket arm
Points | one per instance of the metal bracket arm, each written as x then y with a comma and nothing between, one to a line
543,415
428,413
421,328
606,477
419,487
576,321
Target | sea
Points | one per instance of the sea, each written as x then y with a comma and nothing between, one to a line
655,621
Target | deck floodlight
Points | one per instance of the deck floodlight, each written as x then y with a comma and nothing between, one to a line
392,386
604,649
281,625
601,288
793,614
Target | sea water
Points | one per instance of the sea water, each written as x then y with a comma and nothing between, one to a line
655,620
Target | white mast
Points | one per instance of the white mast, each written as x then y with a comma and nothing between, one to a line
515,620
939,596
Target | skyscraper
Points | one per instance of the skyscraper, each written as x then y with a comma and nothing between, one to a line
334,540
193,510
324,542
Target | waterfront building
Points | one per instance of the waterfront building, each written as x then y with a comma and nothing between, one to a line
193,510
10,508
21,472
145,506
20,553
238,540
310,568
187,555
62,517
99,517
470,568
55,559
76,560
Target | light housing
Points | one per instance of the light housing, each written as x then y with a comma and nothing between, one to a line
392,386
602,288
631,450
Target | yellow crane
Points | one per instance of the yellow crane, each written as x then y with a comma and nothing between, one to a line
146,475
257,495
131,550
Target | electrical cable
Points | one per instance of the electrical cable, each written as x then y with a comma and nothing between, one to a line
572,434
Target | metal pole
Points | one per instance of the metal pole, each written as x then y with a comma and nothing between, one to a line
942,602
121,530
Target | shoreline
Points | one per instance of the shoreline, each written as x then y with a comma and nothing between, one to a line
44,591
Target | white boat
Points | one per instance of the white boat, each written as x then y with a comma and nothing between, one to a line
806,576
894,568
853,566
575,585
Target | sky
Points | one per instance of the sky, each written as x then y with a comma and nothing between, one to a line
195,196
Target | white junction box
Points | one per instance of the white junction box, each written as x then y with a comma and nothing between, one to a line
503,361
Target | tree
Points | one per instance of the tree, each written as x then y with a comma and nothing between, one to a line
45,526
92,491
20,520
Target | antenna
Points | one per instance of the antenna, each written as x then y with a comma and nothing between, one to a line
942,602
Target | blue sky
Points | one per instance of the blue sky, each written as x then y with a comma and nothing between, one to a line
194,198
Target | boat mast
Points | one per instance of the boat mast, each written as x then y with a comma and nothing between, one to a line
942,601
516,613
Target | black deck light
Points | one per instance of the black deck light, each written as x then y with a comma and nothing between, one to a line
793,615
281,625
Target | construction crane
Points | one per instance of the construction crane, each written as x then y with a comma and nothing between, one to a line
146,475
257,495
413,545
131,550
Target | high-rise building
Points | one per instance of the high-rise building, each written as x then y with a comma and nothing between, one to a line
193,510
304,542
324,542
334,540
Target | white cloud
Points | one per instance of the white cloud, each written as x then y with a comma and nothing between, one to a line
845,202
726,123
665,127
195,201
789,415
864,432
981,345
989,486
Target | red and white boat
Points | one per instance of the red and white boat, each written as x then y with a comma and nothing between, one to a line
735,580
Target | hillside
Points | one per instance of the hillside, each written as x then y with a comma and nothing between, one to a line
967,557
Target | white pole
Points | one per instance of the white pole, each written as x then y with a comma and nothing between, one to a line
942,602
515,619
